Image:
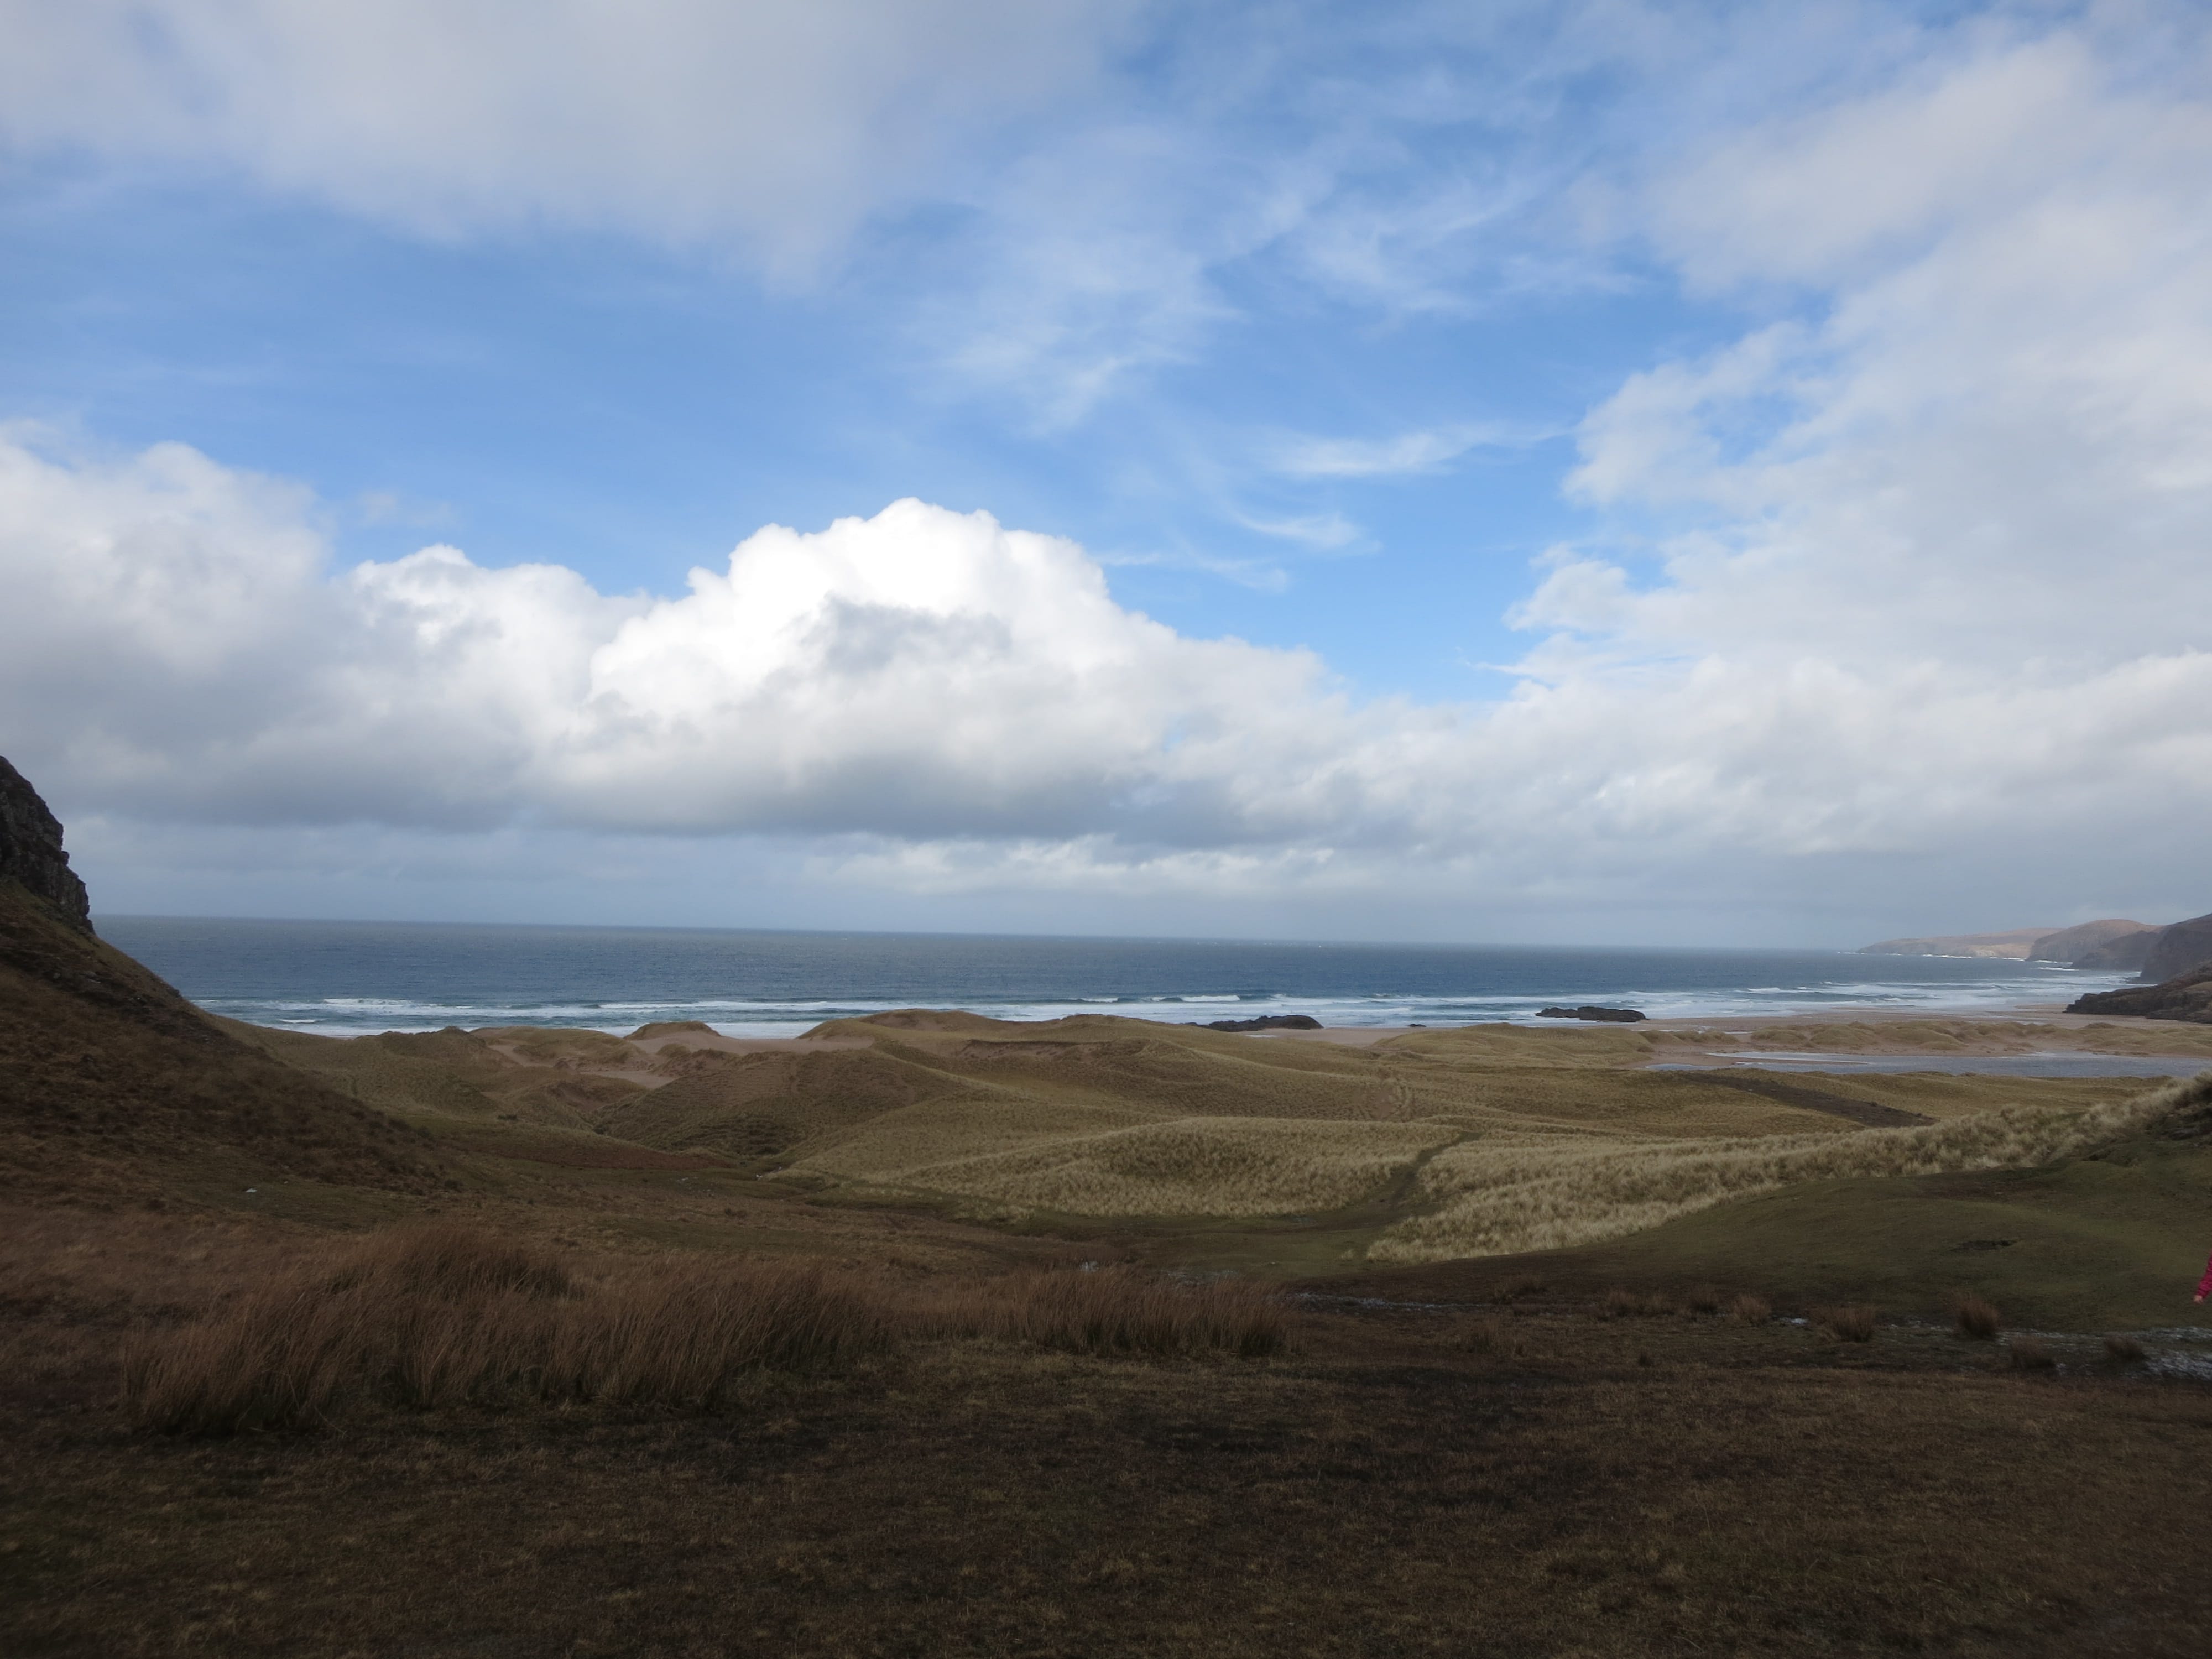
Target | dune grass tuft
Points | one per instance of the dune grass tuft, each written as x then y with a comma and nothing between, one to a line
1975,1317
1483,1336
2029,1353
1851,1323
441,1315
1748,1309
1114,1310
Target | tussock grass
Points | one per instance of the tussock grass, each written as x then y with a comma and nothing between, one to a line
1112,1310
2029,1353
441,1315
2124,1351
1483,1336
1975,1317
1851,1323
1748,1309
1499,1200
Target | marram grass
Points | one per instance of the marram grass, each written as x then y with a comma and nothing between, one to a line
1500,1200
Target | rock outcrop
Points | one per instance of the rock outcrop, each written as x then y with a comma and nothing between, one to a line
2187,996
31,851
2071,944
113,1088
1266,1023
1591,1011
2185,945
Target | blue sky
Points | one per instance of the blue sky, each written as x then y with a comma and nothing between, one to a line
1649,456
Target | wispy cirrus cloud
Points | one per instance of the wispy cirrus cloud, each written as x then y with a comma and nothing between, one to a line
1402,455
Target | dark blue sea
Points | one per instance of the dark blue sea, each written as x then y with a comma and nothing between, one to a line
344,978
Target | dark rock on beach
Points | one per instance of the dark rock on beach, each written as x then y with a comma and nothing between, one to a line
31,851
1622,1016
1265,1023
2186,996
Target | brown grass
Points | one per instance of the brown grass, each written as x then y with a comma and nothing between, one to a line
1976,1318
441,1315
1384,1492
2124,1351
1747,1310
1704,1299
1113,1311
1851,1323
2029,1353
1485,1336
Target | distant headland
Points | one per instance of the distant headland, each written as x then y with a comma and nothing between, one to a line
2115,946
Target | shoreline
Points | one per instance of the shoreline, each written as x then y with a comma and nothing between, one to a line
1971,1033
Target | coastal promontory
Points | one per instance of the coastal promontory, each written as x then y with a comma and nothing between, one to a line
31,851
2178,949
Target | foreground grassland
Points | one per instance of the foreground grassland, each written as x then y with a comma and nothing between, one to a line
1545,1476
932,1335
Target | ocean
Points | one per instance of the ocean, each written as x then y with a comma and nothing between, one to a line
348,978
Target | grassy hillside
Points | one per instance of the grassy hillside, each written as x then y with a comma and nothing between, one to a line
2112,1237
113,1088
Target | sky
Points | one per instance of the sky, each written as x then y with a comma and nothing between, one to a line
1599,471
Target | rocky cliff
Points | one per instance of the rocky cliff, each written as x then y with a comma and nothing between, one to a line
2125,954
2113,945
112,1087
2185,945
2072,945
31,851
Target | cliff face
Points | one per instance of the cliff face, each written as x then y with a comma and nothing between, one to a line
2072,945
2109,946
2125,954
2184,945
31,851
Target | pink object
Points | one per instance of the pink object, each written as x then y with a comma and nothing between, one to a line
2205,1284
